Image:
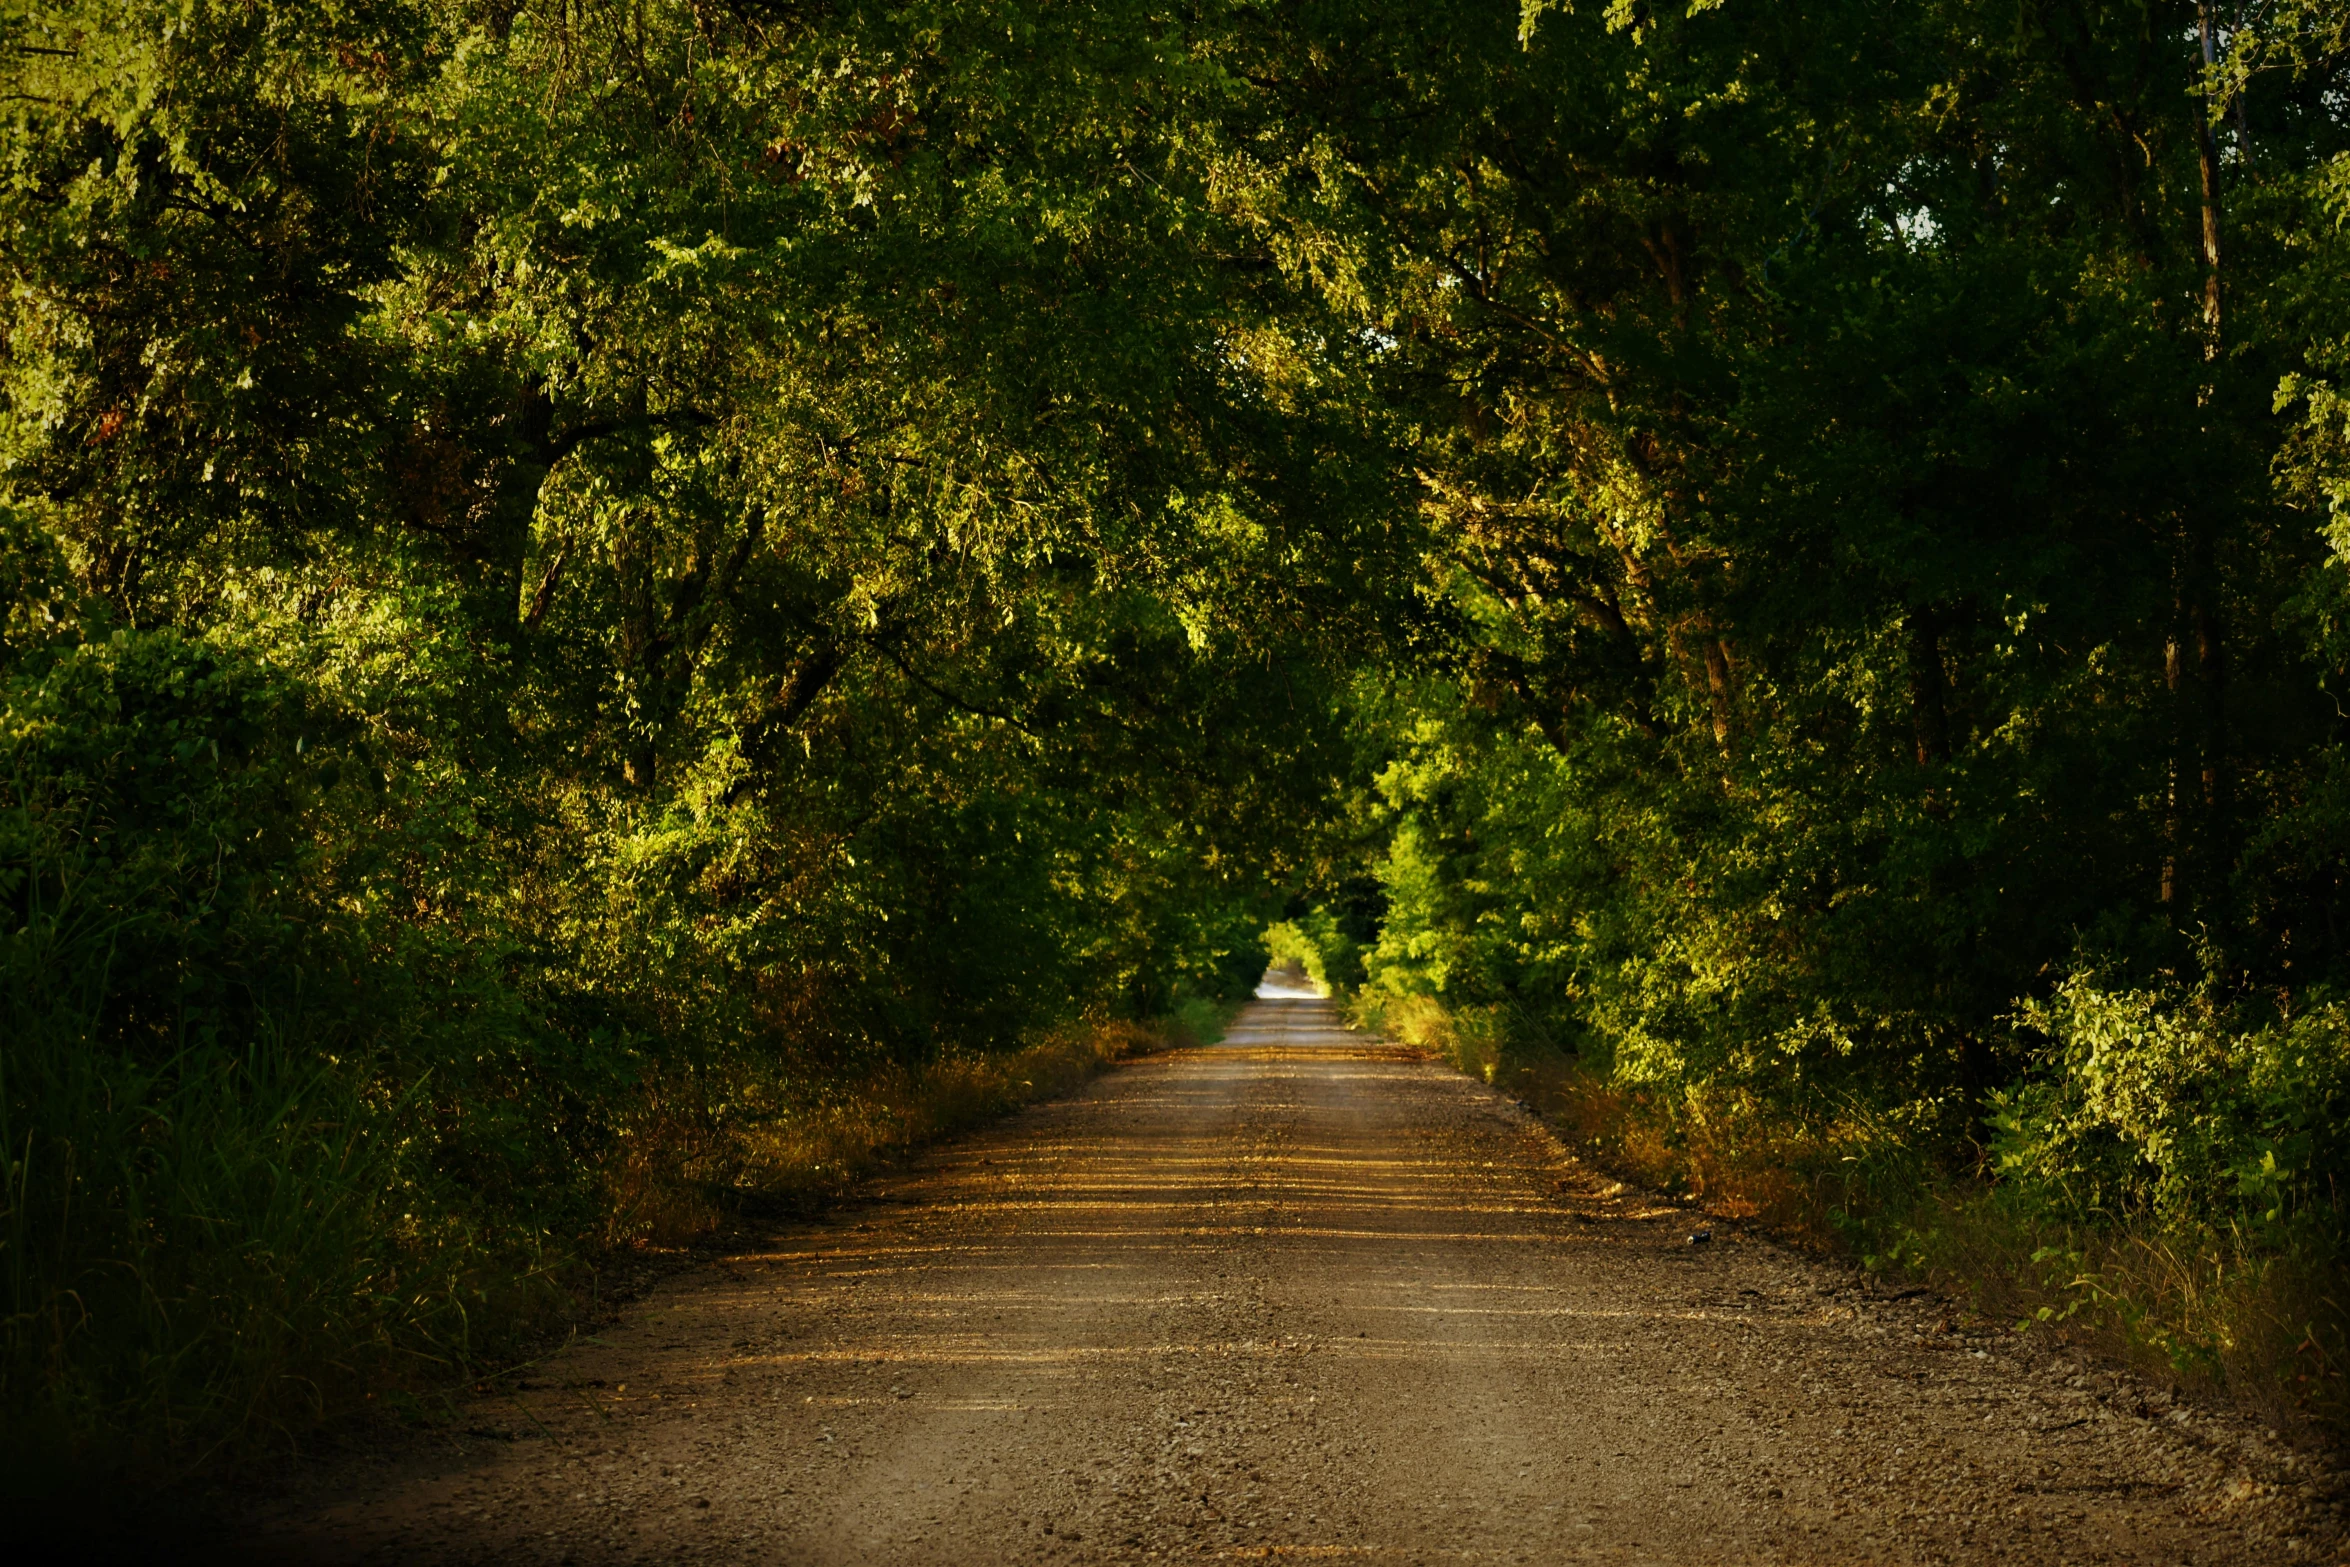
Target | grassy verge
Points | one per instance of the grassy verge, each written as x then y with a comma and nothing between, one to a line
682,1176
2251,1318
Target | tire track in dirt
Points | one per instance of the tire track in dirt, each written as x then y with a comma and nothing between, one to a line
1298,1294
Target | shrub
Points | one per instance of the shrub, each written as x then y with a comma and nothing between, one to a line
2160,1104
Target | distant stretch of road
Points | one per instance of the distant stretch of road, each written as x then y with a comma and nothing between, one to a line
1297,1295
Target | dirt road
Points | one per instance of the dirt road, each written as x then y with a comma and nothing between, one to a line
1301,1294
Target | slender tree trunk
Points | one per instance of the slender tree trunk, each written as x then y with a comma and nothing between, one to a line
2197,791
2213,849
1717,683
2208,156
2243,120
639,656
2198,785
2211,677
1929,717
544,598
2172,828
1977,1077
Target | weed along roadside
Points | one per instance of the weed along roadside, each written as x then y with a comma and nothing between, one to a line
820,1154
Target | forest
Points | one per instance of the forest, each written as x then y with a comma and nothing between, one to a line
611,610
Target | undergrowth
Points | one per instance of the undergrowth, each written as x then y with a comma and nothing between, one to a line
206,1255
794,1148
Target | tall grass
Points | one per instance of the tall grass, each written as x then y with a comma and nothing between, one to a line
2258,1319
206,1243
787,1144
211,1250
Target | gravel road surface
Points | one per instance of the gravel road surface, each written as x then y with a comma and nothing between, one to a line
1300,1294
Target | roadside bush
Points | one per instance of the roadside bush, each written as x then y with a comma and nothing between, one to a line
2161,1105
2164,1193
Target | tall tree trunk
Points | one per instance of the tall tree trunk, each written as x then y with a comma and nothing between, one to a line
2213,851
1717,684
2243,120
639,656
2198,788
2193,776
2196,807
2172,828
1929,719
2208,157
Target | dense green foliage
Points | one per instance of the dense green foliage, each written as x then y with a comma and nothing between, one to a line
585,583
1869,590
1885,473
581,579
1883,469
